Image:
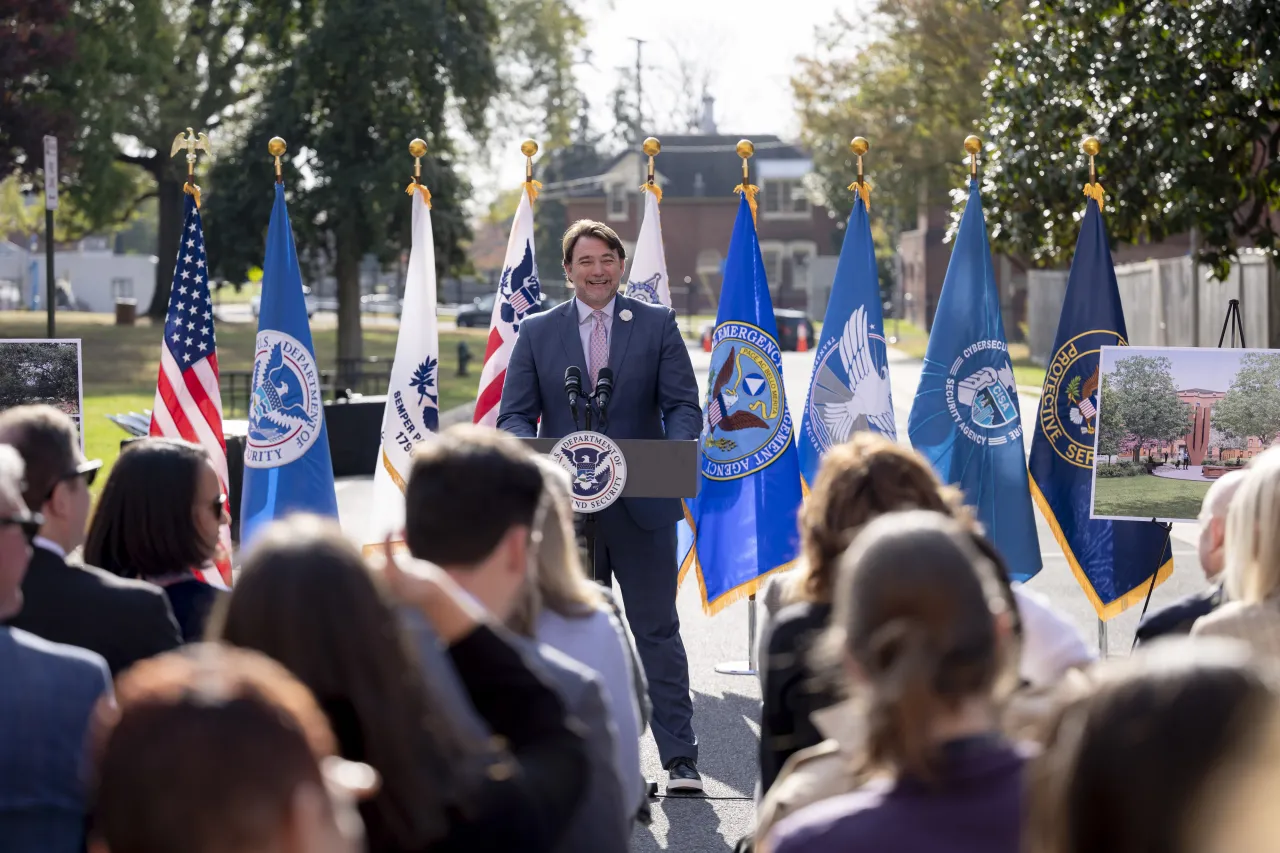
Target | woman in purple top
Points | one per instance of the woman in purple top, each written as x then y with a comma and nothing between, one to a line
924,630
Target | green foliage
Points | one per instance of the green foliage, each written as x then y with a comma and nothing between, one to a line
1252,404
38,373
1185,97
1112,430
1141,392
33,39
1120,469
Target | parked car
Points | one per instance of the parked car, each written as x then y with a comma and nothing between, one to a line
381,303
792,325
478,314
255,303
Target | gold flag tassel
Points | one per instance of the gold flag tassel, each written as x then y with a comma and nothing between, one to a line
859,146
651,147
745,149
1093,189
528,148
192,142
418,148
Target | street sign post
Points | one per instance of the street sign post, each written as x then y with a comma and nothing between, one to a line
50,205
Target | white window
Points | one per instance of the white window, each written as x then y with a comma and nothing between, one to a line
619,200
785,198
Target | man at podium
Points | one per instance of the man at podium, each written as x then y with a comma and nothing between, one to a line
654,396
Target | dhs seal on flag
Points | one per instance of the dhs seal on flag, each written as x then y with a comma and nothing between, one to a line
745,424
981,392
1069,403
597,466
285,408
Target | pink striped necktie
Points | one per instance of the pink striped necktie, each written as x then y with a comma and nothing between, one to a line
598,358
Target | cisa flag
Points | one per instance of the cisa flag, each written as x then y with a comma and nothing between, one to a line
412,412
1112,560
518,292
849,390
287,467
965,418
744,517
647,281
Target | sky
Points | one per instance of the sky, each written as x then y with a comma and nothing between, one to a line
748,46
1209,369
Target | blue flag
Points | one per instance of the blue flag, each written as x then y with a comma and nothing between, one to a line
287,467
744,517
850,386
965,418
1112,560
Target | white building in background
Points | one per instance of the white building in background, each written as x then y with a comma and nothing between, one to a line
92,276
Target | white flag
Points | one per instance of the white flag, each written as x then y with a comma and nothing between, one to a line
647,281
518,293
412,413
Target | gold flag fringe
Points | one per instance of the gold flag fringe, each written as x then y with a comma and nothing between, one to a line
863,189
1094,191
193,191
414,186
652,188
532,187
751,192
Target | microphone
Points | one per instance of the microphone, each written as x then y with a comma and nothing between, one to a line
573,388
604,389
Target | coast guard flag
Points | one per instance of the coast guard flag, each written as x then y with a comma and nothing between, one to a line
965,417
412,413
849,390
1112,560
287,467
647,281
518,291
744,517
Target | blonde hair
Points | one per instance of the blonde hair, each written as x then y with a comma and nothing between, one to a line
12,470
1252,555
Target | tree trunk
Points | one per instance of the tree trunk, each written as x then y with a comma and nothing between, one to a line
350,338
170,232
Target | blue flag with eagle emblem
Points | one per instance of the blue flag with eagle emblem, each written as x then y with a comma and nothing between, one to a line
849,390
965,418
287,467
743,520
1112,560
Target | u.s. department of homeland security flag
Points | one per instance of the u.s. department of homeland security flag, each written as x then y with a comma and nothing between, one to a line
1112,560
287,467
647,281
849,390
412,412
744,517
965,418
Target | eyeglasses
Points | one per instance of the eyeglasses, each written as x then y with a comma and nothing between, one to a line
30,524
87,469
218,504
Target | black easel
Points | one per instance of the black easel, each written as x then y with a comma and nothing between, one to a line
1168,536
1232,320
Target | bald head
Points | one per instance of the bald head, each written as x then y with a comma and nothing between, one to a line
1213,522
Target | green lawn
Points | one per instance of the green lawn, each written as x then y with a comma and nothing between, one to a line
120,364
1148,496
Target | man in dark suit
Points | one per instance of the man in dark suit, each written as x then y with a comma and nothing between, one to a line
655,396
1178,617
122,620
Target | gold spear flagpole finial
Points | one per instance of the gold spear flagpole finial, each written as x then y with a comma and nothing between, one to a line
417,150
859,146
528,148
192,142
276,148
1093,189
973,145
745,149
652,147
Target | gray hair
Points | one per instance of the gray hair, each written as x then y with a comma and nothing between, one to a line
12,471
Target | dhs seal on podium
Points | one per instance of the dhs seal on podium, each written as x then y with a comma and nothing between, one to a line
1069,404
597,466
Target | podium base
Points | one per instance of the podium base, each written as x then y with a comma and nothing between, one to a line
737,667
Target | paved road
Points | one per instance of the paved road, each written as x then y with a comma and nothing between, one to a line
727,707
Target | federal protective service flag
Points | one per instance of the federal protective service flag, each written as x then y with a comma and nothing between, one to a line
1112,560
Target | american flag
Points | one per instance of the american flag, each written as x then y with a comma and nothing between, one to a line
188,403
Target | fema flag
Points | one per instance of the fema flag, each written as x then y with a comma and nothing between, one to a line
849,390
1112,560
287,467
965,418
743,520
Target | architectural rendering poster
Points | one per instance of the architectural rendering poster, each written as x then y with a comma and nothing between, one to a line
43,371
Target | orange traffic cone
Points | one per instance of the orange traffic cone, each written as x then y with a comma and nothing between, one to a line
802,338
706,341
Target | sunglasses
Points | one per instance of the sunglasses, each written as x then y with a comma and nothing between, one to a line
218,503
87,469
30,524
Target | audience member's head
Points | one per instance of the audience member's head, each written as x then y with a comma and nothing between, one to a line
859,481
159,513
1213,522
470,506
57,474
219,750
306,598
1252,562
921,624
1177,750
17,527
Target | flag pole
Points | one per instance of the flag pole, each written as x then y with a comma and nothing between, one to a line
276,148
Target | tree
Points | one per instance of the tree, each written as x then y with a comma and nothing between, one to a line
1252,404
1186,100
1112,431
1146,400
38,373
33,39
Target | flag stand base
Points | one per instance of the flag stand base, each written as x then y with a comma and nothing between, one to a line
748,666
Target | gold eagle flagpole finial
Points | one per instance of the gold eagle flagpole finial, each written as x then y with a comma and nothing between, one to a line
745,149
1093,189
859,146
417,150
193,142
528,148
276,148
973,145
651,148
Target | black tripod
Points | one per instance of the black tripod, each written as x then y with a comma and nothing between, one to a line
1233,320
